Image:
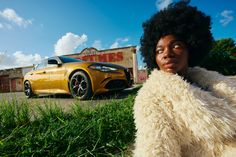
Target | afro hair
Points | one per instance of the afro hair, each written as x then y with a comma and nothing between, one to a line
185,22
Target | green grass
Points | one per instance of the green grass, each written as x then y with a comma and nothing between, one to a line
106,130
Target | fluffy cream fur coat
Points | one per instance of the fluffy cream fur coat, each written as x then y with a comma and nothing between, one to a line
175,118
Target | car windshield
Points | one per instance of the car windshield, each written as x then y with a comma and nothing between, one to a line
68,59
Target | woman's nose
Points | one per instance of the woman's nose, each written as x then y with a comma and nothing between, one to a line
168,52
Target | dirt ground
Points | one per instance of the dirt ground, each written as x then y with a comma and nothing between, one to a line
66,102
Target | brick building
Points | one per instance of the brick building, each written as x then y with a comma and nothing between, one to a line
11,80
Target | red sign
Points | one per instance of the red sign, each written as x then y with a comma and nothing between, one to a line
103,57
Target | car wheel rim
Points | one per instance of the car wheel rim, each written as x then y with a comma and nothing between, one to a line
79,86
27,89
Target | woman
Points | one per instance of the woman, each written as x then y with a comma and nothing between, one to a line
182,110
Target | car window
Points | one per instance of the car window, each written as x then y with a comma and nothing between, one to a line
52,63
40,65
65,59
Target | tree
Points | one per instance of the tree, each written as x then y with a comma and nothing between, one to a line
222,57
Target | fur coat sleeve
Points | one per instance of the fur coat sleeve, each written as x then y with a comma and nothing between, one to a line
172,114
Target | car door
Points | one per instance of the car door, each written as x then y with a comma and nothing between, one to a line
56,72
39,78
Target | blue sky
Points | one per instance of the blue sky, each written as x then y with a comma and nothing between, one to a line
32,30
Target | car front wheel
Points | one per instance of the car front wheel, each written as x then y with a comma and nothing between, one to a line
80,86
28,90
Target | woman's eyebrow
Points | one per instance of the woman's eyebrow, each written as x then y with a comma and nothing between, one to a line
170,43
174,41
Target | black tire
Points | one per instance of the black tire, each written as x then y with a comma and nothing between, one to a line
80,86
28,90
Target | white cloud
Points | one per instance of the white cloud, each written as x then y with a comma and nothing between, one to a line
97,44
119,42
114,45
24,59
68,43
138,48
227,17
11,16
18,59
5,26
124,40
161,4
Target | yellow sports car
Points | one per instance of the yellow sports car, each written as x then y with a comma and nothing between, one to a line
62,74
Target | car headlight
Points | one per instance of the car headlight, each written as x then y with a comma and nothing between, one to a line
103,68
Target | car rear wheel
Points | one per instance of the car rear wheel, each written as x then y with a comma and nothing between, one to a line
28,90
80,86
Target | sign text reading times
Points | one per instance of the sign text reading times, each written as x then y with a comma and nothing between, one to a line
104,57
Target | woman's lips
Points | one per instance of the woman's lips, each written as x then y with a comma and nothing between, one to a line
170,64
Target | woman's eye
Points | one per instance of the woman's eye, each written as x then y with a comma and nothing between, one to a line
176,46
159,51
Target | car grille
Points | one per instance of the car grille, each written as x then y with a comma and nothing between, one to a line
116,84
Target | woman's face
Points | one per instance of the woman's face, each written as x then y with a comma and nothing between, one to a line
172,55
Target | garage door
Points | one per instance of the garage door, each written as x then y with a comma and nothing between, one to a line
4,84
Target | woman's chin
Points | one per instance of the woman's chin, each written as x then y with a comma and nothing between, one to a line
175,71
170,70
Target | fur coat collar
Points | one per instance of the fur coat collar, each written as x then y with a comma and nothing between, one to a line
198,115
